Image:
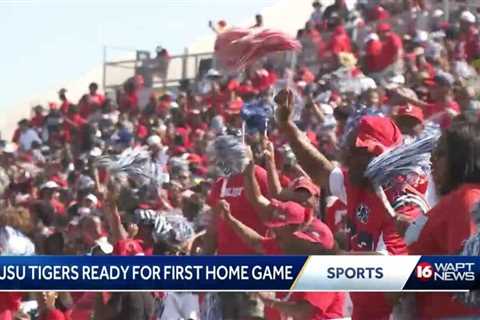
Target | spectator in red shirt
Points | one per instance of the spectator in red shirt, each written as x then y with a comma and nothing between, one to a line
74,124
443,107
65,104
340,41
38,119
373,50
287,222
301,190
129,99
93,96
445,228
372,227
392,47
46,305
469,36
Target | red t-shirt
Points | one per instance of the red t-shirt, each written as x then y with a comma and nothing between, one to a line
97,99
448,225
373,229
37,121
54,314
327,305
373,50
391,46
340,42
471,40
335,215
227,240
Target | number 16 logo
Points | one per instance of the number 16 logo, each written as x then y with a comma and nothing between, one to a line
424,271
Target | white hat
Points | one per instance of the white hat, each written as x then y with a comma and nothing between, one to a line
92,198
10,148
326,109
96,152
371,36
104,245
421,36
213,73
467,16
154,140
437,13
82,212
50,185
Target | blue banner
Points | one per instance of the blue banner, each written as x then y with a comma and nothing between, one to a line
192,273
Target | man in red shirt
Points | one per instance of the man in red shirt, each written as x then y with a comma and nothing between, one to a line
391,53
38,120
286,220
372,228
94,97
340,41
469,36
64,106
230,156
443,107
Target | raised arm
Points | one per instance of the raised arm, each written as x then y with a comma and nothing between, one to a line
274,185
253,192
117,230
313,161
247,234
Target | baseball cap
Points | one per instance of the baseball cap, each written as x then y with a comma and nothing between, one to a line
92,198
317,232
384,27
10,147
467,16
213,73
443,79
377,134
285,213
104,245
49,185
421,36
412,111
306,184
154,140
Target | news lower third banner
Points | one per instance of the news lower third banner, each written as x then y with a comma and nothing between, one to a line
240,273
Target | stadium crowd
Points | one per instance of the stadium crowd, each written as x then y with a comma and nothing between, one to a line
296,184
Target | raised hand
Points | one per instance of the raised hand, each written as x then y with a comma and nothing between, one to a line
284,100
222,209
268,149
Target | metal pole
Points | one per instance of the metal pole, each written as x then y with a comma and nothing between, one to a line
446,9
184,64
104,78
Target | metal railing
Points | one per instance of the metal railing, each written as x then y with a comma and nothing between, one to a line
180,67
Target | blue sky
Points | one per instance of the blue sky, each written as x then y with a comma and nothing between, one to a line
47,42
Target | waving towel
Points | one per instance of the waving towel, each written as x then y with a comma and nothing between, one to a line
239,47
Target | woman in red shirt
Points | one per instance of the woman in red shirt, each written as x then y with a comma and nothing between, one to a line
456,172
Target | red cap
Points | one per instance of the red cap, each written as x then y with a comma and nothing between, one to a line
285,213
194,158
307,184
52,106
377,134
128,247
384,27
317,232
412,111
